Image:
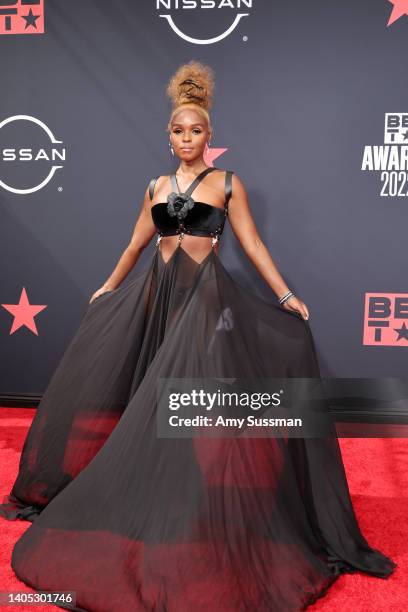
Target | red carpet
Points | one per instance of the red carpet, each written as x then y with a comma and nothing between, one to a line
377,472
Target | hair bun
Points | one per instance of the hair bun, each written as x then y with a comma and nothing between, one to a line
192,83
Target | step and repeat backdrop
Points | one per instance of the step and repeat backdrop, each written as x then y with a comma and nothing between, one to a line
310,111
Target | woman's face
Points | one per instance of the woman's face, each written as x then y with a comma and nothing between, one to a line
188,135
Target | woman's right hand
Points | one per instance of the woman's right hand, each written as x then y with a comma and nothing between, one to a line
99,292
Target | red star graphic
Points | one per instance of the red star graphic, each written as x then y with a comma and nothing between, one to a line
400,8
23,313
211,154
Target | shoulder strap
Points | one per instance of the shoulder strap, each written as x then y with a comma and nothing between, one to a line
194,184
174,183
152,185
228,187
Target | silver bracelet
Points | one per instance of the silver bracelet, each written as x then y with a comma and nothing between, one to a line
286,297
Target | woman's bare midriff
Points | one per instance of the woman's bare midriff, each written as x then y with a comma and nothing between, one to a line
197,247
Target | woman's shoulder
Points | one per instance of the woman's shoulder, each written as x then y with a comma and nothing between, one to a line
155,182
232,177
229,181
227,172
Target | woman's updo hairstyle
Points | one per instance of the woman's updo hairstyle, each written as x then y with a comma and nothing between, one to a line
192,86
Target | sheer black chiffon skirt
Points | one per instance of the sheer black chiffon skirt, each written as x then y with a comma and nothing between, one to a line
132,521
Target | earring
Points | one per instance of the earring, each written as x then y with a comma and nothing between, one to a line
171,148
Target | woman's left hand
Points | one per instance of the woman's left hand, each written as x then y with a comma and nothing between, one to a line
296,305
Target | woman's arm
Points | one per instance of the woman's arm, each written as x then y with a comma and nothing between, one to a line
245,230
143,232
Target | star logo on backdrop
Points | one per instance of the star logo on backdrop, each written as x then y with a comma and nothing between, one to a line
400,9
30,19
24,313
211,154
402,332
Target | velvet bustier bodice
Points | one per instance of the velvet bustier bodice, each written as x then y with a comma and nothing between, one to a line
201,220
181,214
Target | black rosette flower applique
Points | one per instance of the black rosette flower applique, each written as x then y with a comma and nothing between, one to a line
178,204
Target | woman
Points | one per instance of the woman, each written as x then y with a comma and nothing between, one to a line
133,516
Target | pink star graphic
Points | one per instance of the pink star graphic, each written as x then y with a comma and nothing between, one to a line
400,8
23,313
211,154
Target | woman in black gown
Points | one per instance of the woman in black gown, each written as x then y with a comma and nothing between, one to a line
133,520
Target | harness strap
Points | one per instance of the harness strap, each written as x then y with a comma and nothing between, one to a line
152,185
194,184
228,188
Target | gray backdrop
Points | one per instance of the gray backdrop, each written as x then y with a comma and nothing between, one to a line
301,89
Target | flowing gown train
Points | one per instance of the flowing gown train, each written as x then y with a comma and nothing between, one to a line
130,520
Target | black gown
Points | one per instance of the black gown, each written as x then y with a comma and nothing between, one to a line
131,520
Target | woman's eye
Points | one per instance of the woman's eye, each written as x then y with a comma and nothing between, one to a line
196,131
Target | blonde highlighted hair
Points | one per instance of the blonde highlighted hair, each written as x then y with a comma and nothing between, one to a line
192,86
